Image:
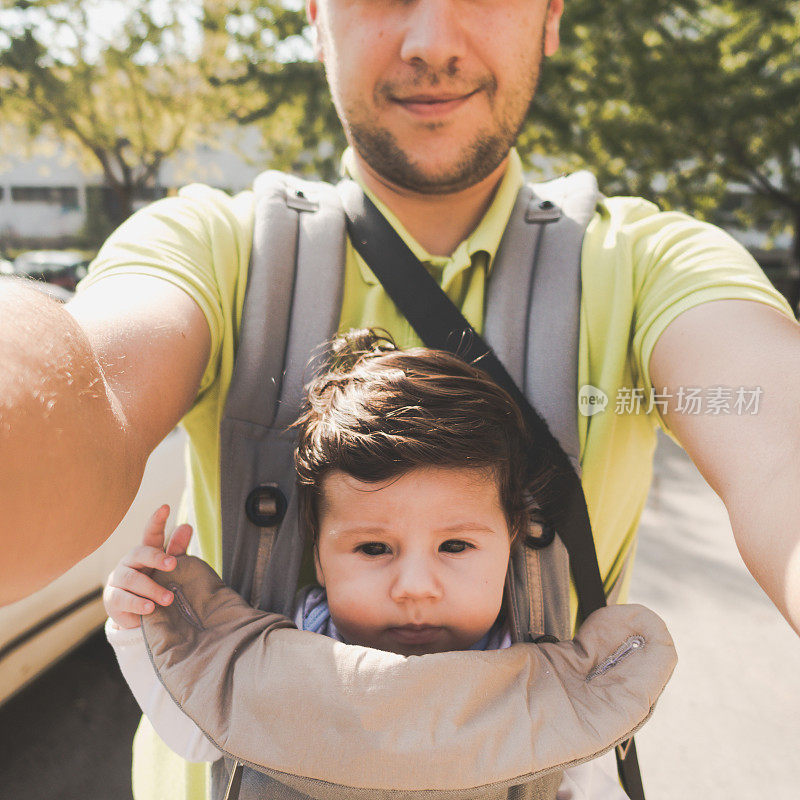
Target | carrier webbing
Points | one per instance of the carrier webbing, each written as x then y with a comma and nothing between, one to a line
291,306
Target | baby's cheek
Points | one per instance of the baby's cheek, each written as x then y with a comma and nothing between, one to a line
353,614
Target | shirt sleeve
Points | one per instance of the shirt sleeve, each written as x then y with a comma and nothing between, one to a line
178,732
200,241
677,263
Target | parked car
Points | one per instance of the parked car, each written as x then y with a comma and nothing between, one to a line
37,631
59,267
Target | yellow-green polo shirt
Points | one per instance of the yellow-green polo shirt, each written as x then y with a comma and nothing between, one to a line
640,268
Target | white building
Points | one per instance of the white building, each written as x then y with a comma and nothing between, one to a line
43,196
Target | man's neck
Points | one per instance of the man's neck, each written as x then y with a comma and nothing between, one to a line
439,222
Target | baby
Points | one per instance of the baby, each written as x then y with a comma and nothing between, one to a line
412,485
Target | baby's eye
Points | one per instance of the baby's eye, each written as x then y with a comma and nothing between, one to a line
455,546
373,549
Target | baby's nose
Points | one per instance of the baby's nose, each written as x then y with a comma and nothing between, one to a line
416,579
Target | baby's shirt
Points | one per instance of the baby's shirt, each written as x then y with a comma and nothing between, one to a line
594,780
312,614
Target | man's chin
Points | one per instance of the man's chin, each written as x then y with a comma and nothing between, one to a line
431,170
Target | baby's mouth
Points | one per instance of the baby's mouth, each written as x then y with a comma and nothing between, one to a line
416,634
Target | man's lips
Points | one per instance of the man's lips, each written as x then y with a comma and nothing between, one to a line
433,105
415,634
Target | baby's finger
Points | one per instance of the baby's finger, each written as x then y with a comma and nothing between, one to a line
154,529
121,605
179,540
148,557
137,583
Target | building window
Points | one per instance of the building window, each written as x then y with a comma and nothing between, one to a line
64,196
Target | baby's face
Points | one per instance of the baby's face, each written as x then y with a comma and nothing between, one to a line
416,564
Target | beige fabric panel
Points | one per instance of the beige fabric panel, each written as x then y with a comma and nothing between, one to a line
300,703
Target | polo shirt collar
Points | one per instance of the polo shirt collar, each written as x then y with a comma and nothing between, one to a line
484,238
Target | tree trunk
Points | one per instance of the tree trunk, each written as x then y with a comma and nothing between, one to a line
120,205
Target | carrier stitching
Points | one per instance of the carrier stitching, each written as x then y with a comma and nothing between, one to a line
629,646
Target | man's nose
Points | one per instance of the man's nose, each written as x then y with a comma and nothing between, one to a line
433,36
415,579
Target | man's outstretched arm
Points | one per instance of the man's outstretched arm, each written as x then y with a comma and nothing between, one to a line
87,391
751,460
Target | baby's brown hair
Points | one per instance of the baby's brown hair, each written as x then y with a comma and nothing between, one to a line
378,412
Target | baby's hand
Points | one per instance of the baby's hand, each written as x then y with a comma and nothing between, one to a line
129,590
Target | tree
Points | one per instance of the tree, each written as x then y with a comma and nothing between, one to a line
678,99
259,53
128,96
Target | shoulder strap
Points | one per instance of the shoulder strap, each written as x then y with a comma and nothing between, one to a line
291,306
537,340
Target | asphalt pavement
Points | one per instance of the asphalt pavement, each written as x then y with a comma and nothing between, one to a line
68,735
728,725
726,728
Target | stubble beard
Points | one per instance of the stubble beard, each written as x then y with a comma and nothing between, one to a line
477,159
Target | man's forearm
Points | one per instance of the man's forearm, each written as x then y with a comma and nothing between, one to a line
68,471
767,532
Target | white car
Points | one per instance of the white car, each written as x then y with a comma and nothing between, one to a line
38,630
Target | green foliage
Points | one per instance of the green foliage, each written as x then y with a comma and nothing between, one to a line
676,99
259,53
127,96
671,99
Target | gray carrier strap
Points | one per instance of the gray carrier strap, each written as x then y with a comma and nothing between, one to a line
291,306
338,722
537,339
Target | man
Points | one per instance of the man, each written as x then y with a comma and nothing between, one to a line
431,94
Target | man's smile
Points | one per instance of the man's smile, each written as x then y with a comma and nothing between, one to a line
429,104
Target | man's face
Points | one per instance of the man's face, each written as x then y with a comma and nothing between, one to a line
416,564
432,93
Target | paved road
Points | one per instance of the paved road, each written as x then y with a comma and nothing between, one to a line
68,735
727,727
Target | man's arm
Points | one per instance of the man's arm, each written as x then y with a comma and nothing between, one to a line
752,461
87,391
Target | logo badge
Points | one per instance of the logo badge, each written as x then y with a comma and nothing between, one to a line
591,400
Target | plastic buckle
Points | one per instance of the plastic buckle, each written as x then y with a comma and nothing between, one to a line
266,505
542,211
540,542
299,202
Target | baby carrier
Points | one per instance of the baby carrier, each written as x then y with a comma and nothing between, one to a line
300,716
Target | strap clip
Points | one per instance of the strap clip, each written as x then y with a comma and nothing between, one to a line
299,202
544,540
266,505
